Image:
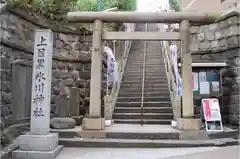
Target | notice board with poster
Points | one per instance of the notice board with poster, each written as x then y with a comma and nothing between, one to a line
206,83
212,114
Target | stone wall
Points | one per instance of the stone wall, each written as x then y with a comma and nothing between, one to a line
220,42
216,42
71,63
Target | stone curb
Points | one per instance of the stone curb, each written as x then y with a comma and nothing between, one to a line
125,143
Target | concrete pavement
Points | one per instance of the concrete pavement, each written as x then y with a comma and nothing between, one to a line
230,152
157,153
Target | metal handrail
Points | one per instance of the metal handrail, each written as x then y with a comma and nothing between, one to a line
112,98
170,72
143,74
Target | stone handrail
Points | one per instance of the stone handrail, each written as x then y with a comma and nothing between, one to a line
110,100
170,72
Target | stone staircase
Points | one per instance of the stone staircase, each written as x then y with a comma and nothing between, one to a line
156,98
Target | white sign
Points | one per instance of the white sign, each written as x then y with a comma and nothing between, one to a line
202,76
212,114
215,86
41,82
195,82
204,88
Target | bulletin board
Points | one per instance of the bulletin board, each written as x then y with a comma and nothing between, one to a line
206,83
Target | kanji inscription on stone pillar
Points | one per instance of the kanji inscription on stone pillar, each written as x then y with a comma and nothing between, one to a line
41,82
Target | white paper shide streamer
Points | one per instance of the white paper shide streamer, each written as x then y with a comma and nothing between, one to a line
174,49
112,71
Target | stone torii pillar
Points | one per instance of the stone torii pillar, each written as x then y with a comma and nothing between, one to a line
94,121
187,122
39,143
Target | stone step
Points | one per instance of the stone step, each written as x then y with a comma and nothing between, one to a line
141,61
160,79
147,83
147,80
115,142
145,104
145,121
149,55
147,62
153,49
153,80
145,109
146,89
141,55
146,73
146,77
146,99
145,135
140,69
144,116
160,67
127,85
147,66
146,94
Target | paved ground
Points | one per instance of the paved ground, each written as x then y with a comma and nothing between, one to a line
161,153
231,152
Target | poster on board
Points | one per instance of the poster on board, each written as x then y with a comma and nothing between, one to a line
195,85
204,88
212,114
215,87
202,76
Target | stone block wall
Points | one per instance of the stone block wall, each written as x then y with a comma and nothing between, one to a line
216,42
71,61
220,42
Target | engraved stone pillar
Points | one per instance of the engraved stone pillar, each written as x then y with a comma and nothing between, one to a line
39,143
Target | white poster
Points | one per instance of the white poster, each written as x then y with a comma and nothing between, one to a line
202,76
195,82
204,88
215,86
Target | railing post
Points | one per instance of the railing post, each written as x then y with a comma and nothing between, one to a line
94,120
187,122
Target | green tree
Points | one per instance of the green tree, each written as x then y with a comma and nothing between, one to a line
175,5
59,7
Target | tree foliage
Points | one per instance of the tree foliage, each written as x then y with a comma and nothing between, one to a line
175,5
58,8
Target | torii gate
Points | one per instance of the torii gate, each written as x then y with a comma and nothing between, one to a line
94,120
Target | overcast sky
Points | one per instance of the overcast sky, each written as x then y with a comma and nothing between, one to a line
151,5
